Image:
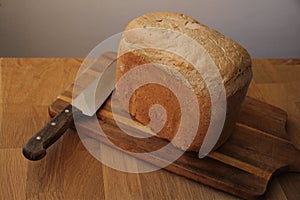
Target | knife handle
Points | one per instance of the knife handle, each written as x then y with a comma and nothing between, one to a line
35,148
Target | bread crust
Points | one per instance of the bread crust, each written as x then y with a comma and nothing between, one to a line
231,59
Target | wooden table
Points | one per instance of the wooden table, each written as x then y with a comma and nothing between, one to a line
29,85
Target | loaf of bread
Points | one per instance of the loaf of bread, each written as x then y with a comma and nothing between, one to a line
231,59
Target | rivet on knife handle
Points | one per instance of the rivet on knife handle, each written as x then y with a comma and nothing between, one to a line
35,148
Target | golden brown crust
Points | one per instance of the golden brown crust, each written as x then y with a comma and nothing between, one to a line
231,59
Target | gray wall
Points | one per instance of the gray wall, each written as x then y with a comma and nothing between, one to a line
68,28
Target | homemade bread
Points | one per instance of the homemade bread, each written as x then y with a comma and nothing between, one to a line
232,61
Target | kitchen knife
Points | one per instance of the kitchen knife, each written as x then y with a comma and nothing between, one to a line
86,103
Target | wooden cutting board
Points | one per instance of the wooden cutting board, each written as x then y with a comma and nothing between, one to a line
258,148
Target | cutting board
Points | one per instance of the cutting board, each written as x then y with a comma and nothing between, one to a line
258,148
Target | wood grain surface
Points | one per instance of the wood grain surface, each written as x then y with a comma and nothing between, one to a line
258,147
28,86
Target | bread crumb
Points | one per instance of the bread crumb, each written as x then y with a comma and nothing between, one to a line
122,68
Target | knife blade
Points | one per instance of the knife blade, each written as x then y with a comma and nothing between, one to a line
86,103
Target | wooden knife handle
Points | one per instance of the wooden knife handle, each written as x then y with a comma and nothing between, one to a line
35,148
